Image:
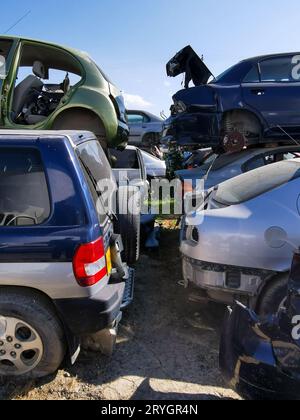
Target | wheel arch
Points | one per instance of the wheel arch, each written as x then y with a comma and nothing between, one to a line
80,118
268,284
71,343
249,116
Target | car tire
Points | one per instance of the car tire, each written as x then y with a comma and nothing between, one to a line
37,317
128,223
273,296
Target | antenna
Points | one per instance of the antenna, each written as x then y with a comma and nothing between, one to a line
17,22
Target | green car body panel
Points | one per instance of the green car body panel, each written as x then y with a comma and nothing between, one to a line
94,96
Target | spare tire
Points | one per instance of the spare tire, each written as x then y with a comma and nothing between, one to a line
128,223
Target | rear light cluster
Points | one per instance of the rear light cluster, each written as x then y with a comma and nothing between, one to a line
89,263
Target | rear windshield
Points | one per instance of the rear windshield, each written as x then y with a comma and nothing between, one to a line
254,183
96,169
24,197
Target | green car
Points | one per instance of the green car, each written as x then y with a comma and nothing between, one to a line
49,87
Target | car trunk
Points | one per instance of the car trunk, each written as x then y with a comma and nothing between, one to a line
188,62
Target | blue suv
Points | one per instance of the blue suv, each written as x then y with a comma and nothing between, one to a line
61,270
255,101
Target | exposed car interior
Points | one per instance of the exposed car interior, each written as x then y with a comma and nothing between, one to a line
38,94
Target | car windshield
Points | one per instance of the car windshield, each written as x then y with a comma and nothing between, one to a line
254,183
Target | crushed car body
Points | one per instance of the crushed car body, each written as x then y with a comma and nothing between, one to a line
260,358
51,87
253,102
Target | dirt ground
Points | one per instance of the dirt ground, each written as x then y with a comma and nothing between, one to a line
167,347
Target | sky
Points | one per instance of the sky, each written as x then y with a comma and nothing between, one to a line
132,40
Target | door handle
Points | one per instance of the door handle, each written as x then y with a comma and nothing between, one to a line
258,92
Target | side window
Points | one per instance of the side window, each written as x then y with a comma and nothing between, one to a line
24,197
45,75
96,169
289,156
254,164
126,159
135,119
277,70
252,76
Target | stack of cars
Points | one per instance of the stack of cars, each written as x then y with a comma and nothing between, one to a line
66,249
238,244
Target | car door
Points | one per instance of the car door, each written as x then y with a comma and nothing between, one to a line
272,89
137,124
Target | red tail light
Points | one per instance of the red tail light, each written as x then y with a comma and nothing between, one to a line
89,263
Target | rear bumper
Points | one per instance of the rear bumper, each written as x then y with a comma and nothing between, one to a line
214,277
91,315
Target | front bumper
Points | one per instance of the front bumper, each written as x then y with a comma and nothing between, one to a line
192,129
91,315
220,278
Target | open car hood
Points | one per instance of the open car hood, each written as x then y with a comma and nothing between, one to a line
188,62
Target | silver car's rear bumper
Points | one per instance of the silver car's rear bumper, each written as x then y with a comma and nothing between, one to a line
226,279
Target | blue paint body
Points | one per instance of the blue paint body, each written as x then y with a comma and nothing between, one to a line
73,219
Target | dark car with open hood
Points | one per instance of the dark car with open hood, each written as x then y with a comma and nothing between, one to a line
255,101
261,358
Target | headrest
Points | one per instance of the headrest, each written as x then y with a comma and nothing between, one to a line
39,70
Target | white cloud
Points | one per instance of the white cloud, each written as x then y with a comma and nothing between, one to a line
136,101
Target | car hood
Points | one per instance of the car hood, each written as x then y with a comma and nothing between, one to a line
188,62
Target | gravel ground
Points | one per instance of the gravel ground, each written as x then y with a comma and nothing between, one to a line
167,346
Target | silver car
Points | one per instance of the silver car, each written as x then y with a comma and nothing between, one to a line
216,169
145,129
241,244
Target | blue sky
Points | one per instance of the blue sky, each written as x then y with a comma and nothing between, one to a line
132,40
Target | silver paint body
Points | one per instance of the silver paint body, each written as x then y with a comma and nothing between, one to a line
231,169
235,236
56,280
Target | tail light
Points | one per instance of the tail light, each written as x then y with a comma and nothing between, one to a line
89,263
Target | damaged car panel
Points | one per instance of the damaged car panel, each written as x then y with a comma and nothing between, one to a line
260,358
47,86
253,102
188,62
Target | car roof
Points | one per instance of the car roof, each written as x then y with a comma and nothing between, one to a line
245,155
261,151
75,51
75,137
268,56
141,111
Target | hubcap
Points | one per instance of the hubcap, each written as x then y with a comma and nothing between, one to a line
21,347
